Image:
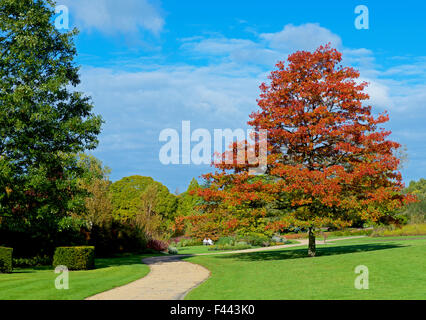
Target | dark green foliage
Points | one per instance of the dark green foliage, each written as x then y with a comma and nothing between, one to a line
43,124
116,238
6,260
36,242
75,258
32,262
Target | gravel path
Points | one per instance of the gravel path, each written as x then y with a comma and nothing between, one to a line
171,278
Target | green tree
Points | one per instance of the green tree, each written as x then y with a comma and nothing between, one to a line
127,197
416,212
188,200
44,122
97,201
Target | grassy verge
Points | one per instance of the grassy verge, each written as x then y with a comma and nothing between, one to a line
39,283
397,270
205,249
407,230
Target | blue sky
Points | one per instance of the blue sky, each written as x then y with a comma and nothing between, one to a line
149,65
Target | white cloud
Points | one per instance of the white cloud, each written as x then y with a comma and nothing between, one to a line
110,16
307,36
265,49
137,105
379,93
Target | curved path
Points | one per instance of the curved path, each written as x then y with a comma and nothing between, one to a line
171,278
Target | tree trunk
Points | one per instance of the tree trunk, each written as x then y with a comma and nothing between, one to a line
312,249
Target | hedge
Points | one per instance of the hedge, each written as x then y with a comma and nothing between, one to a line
6,260
75,258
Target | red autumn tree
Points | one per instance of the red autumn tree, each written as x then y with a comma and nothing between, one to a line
328,161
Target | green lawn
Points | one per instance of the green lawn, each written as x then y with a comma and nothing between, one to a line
199,249
205,249
397,270
39,283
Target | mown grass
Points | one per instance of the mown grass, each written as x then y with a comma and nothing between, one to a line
407,230
39,283
205,249
397,270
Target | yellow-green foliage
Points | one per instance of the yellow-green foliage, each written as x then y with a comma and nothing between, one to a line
75,258
127,194
407,230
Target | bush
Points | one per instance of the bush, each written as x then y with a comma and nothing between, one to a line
32,262
6,260
75,258
173,250
225,240
257,239
392,231
189,243
157,245
279,239
229,247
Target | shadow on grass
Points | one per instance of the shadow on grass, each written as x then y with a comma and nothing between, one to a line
100,263
121,260
303,253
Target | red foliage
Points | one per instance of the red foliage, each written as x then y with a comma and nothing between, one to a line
157,245
328,159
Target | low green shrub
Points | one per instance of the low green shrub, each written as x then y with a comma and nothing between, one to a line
6,265
189,243
173,250
256,239
225,240
75,258
32,262
229,247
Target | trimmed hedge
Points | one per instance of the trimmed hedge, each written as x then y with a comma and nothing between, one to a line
75,258
6,260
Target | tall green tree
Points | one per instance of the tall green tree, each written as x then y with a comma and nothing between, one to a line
127,196
188,201
44,121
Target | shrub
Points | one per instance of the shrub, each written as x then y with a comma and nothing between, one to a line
6,260
408,230
189,243
266,244
225,240
229,247
256,239
75,258
279,239
173,250
32,262
242,243
157,245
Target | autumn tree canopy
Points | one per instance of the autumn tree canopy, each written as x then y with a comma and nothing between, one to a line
329,160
